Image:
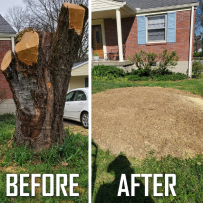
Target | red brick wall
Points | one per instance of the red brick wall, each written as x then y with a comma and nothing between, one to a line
130,41
4,47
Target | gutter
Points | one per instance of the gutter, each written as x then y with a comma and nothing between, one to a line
128,6
80,64
9,35
183,6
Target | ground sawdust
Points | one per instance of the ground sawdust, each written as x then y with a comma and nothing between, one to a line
136,120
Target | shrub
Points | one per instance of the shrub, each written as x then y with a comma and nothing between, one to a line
167,60
107,71
197,69
8,118
143,60
197,54
172,77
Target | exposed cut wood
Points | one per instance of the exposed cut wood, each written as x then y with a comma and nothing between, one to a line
21,33
6,60
39,74
27,48
76,17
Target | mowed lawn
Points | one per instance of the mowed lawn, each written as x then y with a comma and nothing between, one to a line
69,158
107,168
192,85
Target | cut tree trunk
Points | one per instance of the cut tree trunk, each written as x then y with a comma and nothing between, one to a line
39,73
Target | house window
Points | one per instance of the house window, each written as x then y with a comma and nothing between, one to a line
156,28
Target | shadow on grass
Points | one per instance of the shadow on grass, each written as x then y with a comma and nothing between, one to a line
107,192
94,167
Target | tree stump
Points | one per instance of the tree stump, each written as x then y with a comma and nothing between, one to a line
39,73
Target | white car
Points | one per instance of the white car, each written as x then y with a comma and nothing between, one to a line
76,106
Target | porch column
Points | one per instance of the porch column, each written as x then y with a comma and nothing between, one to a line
119,34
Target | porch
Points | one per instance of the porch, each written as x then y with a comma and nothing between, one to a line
109,10
126,65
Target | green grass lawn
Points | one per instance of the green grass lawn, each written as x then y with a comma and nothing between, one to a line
194,85
69,158
107,168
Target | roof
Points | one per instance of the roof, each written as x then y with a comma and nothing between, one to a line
5,27
146,4
78,64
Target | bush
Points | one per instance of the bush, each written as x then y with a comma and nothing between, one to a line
7,118
171,76
197,54
143,60
197,69
144,72
107,71
167,60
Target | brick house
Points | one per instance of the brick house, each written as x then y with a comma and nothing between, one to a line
7,34
122,27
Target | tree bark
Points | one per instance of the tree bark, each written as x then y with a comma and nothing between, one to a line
39,73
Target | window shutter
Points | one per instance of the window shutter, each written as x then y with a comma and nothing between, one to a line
141,29
171,27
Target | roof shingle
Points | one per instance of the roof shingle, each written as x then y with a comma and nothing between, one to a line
145,4
5,27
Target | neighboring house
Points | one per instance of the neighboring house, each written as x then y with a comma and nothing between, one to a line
122,27
7,34
79,75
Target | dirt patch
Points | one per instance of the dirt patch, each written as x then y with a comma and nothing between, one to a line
13,169
78,129
75,127
137,120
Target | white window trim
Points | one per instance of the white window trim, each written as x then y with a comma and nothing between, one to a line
156,41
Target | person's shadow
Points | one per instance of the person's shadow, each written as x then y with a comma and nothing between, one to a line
107,193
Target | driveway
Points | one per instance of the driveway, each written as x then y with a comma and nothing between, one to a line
75,127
